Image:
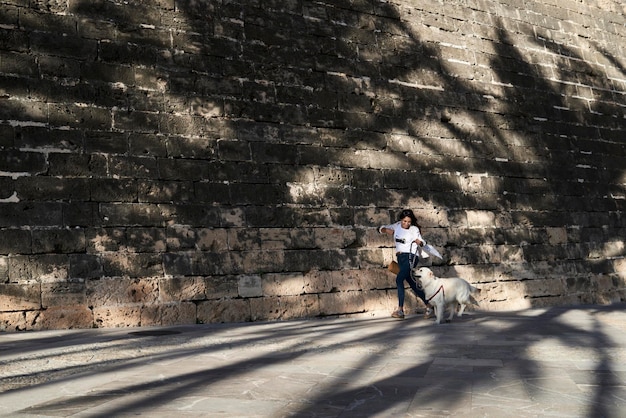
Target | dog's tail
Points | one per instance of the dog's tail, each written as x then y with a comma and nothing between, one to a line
474,291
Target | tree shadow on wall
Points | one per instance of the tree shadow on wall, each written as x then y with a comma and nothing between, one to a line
329,115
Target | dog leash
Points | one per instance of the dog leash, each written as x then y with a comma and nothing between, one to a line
413,260
435,294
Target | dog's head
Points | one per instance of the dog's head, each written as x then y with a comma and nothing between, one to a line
423,275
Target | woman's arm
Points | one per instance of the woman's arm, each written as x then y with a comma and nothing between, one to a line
419,240
386,229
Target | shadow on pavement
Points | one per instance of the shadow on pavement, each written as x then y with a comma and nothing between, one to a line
541,361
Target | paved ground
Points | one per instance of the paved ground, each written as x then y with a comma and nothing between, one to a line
557,362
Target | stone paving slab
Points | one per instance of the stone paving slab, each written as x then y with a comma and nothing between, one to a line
554,362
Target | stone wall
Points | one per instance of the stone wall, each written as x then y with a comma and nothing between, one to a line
167,162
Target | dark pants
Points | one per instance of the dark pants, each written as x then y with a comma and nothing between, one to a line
404,261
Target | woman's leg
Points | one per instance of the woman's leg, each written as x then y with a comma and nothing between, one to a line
418,290
400,286
403,274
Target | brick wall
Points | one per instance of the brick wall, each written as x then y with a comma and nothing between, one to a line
172,162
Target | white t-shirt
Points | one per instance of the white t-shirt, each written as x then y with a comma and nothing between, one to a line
404,237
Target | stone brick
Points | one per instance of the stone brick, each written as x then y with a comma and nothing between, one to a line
224,310
16,321
168,314
182,289
249,286
51,188
375,279
90,117
15,241
258,261
147,144
20,297
131,214
134,167
85,266
221,287
58,241
22,162
132,264
285,284
109,292
43,268
284,307
341,302
176,169
380,303
335,238
64,317
277,239
116,316
209,263
67,294
4,269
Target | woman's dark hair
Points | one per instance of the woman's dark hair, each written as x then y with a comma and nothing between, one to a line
410,214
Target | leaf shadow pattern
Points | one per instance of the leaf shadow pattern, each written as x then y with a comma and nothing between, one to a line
551,361
364,114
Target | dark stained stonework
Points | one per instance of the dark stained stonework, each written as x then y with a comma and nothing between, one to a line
173,162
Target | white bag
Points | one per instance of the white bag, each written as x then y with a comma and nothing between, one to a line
427,250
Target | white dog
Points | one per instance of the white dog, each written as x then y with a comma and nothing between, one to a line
442,293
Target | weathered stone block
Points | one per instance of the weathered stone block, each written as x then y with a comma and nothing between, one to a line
383,302
256,262
341,302
276,239
121,291
219,287
116,316
132,264
15,321
131,214
375,279
174,289
287,284
224,310
249,286
557,235
168,314
240,239
284,307
20,297
58,240
318,282
65,294
114,190
545,287
177,264
15,241
64,317
209,263
41,268
335,238
4,269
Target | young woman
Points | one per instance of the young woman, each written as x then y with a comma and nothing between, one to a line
408,239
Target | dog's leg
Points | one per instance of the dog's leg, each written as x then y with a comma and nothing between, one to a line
452,311
461,309
439,310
